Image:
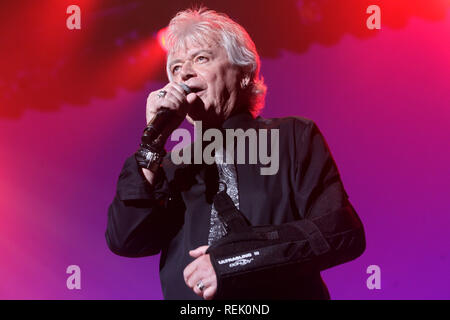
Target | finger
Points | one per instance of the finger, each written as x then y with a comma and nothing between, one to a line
170,102
198,251
210,290
188,271
196,290
199,269
177,103
176,93
152,96
181,108
207,282
199,262
198,274
208,293
178,88
195,278
154,102
192,98
155,94
203,271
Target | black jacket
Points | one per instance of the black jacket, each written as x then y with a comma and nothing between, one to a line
173,216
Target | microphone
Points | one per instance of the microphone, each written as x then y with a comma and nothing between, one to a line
162,125
185,88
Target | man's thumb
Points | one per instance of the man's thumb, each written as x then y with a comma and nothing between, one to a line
192,97
198,252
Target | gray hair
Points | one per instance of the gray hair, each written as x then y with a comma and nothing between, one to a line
196,25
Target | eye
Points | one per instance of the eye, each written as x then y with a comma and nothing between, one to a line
201,59
175,69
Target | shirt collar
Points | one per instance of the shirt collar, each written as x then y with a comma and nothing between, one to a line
238,120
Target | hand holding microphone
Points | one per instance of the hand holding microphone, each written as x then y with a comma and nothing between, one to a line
166,109
174,96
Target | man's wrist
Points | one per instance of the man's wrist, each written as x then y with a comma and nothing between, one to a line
149,157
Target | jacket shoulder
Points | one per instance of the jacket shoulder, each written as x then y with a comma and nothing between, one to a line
297,123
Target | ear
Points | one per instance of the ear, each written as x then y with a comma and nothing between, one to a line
245,82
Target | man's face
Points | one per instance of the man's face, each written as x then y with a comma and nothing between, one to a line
206,70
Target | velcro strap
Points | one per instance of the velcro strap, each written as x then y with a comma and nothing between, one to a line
231,217
315,238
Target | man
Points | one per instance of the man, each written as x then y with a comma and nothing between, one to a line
225,230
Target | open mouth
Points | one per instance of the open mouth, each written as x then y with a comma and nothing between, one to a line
197,90
195,86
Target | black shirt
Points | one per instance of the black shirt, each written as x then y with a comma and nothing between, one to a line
173,216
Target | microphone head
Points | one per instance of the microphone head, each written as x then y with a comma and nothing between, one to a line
185,88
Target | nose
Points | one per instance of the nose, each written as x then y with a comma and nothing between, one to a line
187,71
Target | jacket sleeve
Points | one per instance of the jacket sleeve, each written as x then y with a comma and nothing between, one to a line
327,232
142,218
